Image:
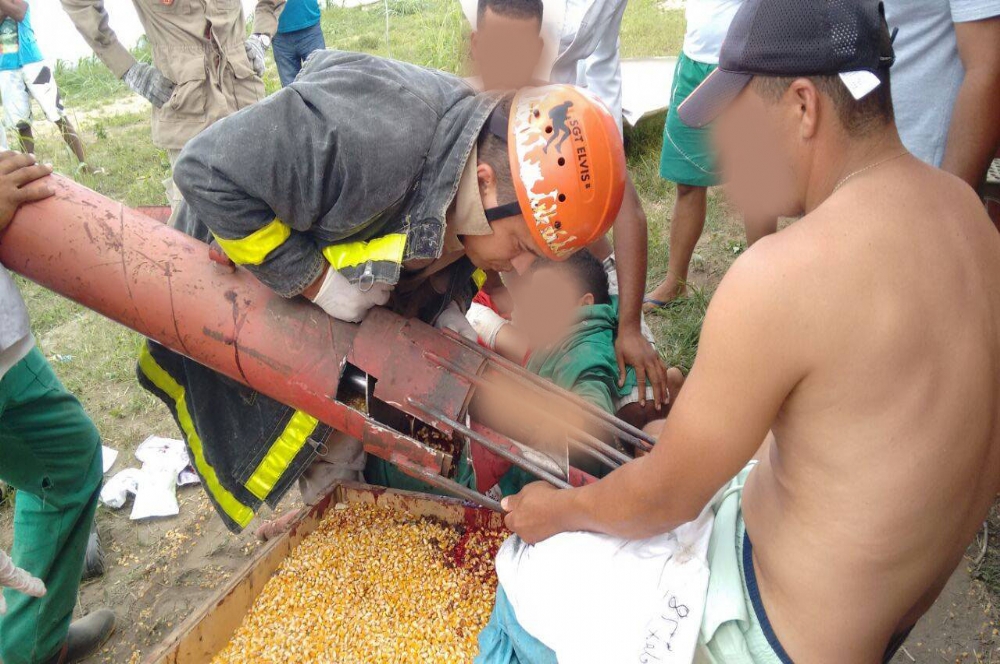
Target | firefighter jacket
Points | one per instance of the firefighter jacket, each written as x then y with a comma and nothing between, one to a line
197,44
355,164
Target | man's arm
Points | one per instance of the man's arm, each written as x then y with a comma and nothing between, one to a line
974,134
16,9
244,177
265,16
91,20
631,347
748,362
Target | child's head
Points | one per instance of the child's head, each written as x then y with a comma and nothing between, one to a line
507,43
547,301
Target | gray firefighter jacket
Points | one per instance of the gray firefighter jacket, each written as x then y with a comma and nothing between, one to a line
355,164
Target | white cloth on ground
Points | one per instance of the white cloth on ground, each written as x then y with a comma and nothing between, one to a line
595,599
165,464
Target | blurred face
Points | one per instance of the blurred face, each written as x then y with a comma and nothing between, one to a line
764,149
546,305
506,51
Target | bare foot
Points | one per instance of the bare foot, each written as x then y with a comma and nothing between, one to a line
271,529
669,290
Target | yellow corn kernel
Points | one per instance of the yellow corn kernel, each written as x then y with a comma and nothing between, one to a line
373,585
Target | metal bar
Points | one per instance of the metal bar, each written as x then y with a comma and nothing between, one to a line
448,485
591,452
606,450
626,431
500,451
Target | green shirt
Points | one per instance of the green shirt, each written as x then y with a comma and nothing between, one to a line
584,362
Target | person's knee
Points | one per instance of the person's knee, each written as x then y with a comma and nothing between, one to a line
688,191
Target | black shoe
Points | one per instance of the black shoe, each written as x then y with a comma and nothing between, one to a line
94,565
85,636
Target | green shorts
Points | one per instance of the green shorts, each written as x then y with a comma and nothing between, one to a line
687,156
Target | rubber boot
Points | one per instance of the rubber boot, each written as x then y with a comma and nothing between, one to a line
94,563
85,636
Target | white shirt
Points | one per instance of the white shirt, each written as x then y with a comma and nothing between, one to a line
707,24
928,71
15,331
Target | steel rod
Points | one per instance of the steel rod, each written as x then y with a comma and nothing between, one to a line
450,486
606,450
499,450
629,433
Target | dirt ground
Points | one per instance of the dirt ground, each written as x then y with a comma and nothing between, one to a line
160,571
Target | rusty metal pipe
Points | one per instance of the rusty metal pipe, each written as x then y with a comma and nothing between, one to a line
161,283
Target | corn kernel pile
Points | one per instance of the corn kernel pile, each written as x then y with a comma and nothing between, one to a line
372,585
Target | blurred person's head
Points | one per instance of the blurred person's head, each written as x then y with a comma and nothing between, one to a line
548,299
506,46
793,96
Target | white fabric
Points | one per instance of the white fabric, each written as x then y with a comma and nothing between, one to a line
164,467
345,301
15,578
707,24
487,323
595,599
453,319
19,86
14,324
109,456
928,71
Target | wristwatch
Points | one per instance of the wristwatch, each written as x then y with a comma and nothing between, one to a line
265,40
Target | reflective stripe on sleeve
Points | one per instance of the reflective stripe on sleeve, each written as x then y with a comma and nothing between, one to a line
254,248
389,248
237,511
280,456
479,278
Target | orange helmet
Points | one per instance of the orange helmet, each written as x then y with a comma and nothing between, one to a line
568,165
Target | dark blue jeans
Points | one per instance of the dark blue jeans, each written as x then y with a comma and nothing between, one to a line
292,48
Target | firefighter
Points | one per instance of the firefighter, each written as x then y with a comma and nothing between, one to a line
50,451
370,182
202,71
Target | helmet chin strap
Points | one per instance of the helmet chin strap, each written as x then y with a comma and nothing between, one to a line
503,211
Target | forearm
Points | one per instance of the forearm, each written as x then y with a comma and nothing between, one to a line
635,501
975,132
630,260
91,20
265,16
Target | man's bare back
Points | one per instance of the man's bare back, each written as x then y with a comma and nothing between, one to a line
887,453
865,336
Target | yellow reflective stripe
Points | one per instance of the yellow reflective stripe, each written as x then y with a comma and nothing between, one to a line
236,510
388,248
279,457
479,278
254,248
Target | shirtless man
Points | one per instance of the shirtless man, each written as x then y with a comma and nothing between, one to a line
866,337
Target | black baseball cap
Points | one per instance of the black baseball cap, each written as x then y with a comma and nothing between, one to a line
795,38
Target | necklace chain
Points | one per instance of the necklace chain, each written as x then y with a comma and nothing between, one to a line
867,168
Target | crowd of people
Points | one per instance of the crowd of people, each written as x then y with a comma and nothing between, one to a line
837,442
